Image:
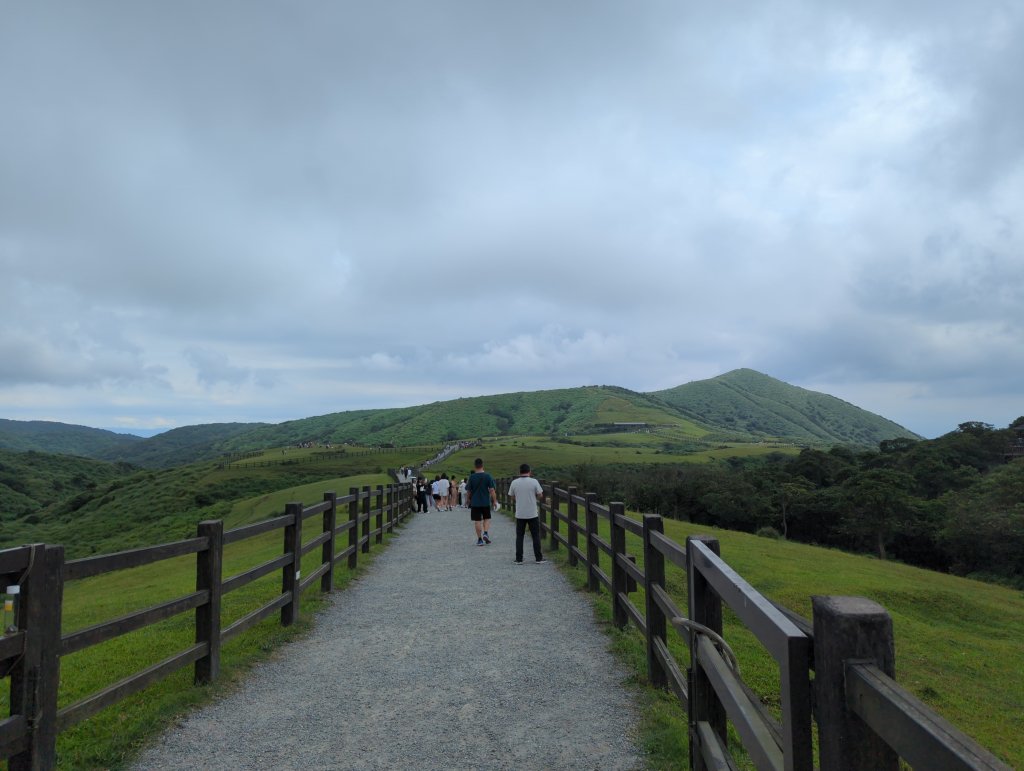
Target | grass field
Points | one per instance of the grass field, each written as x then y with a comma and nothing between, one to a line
957,641
503,456
112,736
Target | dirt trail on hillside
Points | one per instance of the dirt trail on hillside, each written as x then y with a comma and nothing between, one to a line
443,655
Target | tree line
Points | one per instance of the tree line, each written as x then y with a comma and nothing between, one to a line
953,504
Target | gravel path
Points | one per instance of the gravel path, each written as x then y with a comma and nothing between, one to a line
444,655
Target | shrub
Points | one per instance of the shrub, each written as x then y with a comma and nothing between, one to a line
769,532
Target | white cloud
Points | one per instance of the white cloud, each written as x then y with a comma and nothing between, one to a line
202,207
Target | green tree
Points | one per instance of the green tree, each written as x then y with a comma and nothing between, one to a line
881,504
984,525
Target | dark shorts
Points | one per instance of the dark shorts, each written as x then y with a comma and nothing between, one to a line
480,513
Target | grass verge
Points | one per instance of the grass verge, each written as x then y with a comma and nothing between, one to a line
957,640
114,736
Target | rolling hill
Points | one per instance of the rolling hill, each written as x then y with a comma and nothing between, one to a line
750,402
742,405
62,438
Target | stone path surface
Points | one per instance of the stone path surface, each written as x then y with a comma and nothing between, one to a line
444,655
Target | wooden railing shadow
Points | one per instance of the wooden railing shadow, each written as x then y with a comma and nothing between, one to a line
31,655
865,720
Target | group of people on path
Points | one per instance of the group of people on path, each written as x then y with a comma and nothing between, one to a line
445,494
479,495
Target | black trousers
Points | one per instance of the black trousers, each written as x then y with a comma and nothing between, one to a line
534,524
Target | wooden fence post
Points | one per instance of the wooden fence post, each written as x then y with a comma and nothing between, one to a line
553,509
705,608
617,539
209,573
353,531
573,514
36,677
389,518
365,516
593,582
329,548
379,526
849,628
292,572
654,575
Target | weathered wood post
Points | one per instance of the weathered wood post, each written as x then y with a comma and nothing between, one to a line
292,572
379,526
208,578
617,539
849,628
654,575
390,505
553,530
329,549
593,582
367,519
572,513
555,522
36,676
705,608
353,531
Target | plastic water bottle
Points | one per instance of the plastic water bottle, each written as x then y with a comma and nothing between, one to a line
10,603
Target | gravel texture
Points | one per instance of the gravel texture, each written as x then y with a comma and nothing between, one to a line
443,655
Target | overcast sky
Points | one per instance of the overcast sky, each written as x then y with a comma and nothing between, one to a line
261,211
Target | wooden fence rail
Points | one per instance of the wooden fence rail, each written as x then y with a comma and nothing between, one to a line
31,655
865,720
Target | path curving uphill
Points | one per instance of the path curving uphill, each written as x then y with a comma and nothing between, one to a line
444,655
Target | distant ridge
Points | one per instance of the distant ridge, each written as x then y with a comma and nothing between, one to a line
751,402
62,438
742,405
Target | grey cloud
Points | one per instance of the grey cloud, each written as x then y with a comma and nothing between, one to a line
224,193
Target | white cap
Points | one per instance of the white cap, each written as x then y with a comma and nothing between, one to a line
14,589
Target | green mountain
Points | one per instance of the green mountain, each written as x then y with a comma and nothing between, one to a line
750,402
61,438
567,410
742,405
188,444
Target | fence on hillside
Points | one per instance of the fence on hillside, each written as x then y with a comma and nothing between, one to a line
31,655
865,720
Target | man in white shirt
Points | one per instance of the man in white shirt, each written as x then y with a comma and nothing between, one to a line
526,491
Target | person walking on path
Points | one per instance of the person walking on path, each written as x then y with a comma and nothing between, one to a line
444,491
482,496
526,491
421,495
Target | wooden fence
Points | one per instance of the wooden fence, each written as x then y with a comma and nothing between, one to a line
865,720
31,655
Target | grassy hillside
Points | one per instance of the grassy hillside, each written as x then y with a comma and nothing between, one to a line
957,641
179,446
30,482
61,438
110,738
739,406
747,401
153,506
567,410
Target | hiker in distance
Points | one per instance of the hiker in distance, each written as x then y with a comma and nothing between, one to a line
527,492
480,490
